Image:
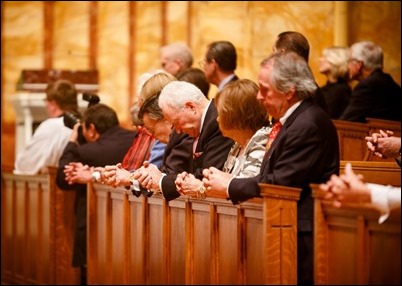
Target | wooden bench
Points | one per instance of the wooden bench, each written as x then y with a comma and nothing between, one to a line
351,136
37,230
352,145
191,241
351,247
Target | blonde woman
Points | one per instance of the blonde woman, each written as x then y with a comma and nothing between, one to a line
334,65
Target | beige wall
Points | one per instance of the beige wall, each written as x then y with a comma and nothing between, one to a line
250,25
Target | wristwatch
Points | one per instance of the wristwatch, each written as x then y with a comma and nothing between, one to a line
96,176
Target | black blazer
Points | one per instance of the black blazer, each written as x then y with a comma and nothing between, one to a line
305,151
178,152
337,96
109,149
376,96
212,150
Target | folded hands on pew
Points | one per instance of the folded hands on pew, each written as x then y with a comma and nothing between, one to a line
384,144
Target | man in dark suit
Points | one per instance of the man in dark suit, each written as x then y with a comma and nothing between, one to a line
107,143
292,41
376,95
304,151
220,63
190,112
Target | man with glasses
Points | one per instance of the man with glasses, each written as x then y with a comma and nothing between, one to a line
376,95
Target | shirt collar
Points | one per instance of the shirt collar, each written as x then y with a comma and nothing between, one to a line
225,81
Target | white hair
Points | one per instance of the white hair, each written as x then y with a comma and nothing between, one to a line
176,93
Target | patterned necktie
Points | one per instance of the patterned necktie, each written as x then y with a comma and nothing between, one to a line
275,130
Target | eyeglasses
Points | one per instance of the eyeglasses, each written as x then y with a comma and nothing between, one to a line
203,62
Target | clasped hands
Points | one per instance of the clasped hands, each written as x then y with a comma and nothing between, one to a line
347,187
384,144
214,181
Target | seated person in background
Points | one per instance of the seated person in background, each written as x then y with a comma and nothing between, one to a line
220,63
244,119
376,95
304,151
350,188
176,57
189,111
197,77
106,143
51,137
334,65
385,145
292,41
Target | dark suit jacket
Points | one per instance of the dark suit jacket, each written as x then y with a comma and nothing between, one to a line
376,96
108,150
319,98
212,150
305,151
178,152
337,96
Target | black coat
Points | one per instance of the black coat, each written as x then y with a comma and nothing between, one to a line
376,96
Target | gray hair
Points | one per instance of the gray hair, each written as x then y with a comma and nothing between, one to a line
179,51
176,93
369,53
290,70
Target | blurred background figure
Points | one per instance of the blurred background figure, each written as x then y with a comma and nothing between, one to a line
219,63
176,57
334,65
376,95
51,136
196,77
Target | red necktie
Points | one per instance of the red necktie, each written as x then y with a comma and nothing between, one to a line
275,130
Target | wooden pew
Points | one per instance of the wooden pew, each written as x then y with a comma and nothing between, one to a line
350,246
191,241
351,136
352,145
37,227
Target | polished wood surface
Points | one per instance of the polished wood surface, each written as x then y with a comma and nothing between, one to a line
37,226
191,241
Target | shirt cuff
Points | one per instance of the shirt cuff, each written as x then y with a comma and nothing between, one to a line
379,199
160,182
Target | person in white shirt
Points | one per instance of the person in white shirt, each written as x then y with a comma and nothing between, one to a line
51,136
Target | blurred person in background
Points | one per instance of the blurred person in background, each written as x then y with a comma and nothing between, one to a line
337,91
51,136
